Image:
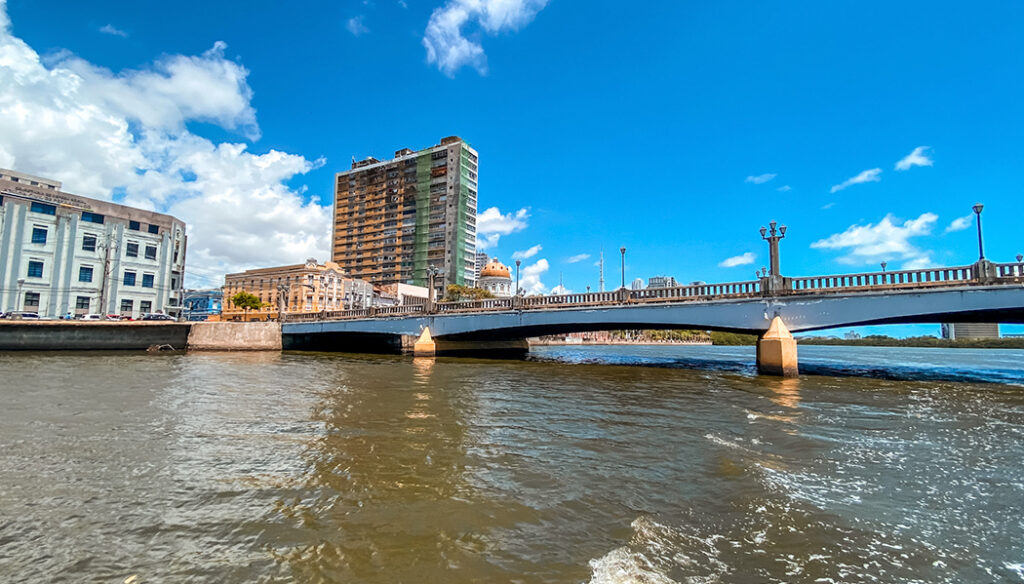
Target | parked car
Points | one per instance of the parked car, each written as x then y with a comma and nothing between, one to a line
156,316
92,317
21,315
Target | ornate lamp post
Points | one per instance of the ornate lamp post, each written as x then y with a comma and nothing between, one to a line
622,250
977,211
883,266
432,272
772,236
21,283
1020,258
517,277
283,294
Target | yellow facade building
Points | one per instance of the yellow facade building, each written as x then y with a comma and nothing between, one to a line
295,289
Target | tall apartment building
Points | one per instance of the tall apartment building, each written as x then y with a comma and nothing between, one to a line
61,253
396,218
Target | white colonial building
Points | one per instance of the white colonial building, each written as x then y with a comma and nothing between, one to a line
63,254
496,279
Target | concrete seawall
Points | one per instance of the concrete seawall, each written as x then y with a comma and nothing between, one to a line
91,336
235,336
62,335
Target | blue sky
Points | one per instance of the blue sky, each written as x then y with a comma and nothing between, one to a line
675,129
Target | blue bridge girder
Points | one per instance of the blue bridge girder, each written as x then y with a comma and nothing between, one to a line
1003,302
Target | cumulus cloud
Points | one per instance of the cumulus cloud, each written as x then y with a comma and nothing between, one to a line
355,26
492,224
760,179
112,30
578,258
560,290
915,158
784,189
529,253
740,260
530,279
446,35
886,240
871,175
99,132
960,223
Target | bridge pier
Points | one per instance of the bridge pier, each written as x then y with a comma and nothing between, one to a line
776,351
427,346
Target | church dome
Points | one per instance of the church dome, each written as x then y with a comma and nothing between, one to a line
496,269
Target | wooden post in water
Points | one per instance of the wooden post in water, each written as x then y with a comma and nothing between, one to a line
776,351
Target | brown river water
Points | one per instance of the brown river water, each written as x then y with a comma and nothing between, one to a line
579,465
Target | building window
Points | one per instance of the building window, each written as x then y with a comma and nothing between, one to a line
147,280
150,252
92,217
31,301
127,306
129,278
89,243
44,209
134,226
39,235
85,274
154,228
145,306
82,303
35,269
132,250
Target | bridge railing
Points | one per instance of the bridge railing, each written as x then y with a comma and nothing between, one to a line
895,279
583,298
475,305
698,291
1014,271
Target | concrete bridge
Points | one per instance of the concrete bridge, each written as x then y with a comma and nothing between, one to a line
772,307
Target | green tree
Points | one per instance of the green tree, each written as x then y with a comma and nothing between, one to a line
458,292
246,301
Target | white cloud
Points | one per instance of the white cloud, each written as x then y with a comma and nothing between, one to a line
871,243
960,223
578,258
740,260
445,38
871,175
97,131
760,179
560,290
112,30
784,189
522,255
355,26
915,158
530,278
492,224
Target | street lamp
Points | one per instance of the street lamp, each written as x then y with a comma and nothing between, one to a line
283,294
772,236
977,211
883,266
1020,258
622,250
517,276
21,282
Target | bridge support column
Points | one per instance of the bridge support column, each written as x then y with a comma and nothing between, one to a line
425,346
776,351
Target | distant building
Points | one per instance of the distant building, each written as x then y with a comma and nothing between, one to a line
199,305
851,335
970,330
661,282
394,220
299,288
62,254
496,278
638,284
404,294
481,260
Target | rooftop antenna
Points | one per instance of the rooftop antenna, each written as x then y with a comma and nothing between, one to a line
601,263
